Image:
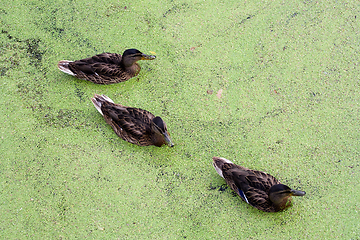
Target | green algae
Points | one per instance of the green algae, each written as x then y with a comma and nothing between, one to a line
269,85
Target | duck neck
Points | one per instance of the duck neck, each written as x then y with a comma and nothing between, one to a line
127,62
158,139
279,202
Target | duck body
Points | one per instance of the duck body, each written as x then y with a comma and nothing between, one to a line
106,68
134,125
257,188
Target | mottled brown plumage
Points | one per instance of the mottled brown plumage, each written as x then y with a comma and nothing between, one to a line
134,125
259,189
106,68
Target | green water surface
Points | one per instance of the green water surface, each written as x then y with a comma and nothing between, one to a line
270,85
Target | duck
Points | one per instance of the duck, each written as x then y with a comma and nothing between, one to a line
259,189
133,125
106,68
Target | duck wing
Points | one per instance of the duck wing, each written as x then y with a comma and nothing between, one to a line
131,124
252,186
108,58
102,64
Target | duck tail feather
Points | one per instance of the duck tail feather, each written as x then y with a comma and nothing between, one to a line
97,100
63,66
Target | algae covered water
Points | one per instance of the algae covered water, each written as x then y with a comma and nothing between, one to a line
272,86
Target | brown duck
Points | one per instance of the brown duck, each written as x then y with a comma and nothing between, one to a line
259,189
106,68
134,125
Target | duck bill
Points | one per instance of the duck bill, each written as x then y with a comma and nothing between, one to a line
168,139
147,57
297,193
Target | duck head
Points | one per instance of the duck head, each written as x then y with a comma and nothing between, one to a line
130,56
162,136
281,194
